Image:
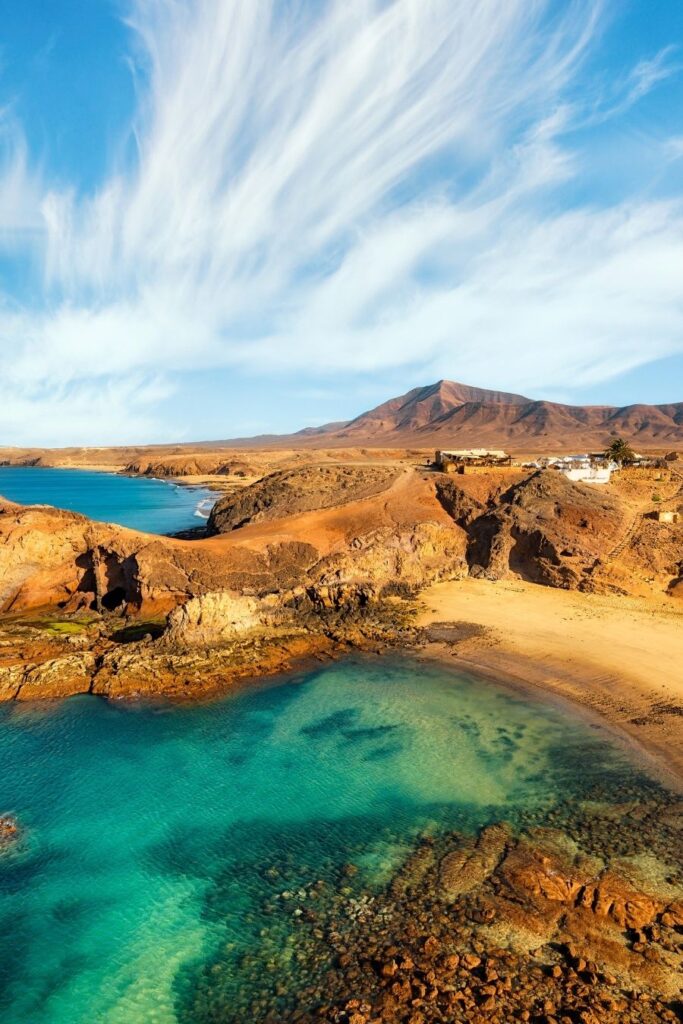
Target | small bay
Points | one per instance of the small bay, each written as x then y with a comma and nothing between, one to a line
161,843
140,503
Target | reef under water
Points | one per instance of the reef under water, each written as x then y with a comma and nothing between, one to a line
376,841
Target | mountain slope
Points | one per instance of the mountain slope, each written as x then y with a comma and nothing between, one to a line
452,414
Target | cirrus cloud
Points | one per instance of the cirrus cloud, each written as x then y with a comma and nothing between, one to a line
351,185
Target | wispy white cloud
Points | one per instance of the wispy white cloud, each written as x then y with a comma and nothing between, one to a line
650,72
673,148
20,189
343,185
89,412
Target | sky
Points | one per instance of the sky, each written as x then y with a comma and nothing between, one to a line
220,218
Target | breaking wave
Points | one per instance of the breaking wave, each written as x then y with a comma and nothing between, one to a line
203,509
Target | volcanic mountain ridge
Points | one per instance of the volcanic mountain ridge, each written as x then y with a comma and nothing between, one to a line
451,413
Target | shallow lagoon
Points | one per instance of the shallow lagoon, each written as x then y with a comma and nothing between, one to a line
155,833
138,502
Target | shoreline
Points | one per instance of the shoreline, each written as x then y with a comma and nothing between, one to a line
522,683
516,678
522,676
614,689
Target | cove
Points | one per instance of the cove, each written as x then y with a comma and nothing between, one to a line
166,849
152,506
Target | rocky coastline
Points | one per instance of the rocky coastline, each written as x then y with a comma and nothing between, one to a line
572,916
552,919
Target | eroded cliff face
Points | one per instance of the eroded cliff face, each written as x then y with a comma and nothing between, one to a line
190,465
394,562
544,529
237,604
43,555
61,559
54,558
374,528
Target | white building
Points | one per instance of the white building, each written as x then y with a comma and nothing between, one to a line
588,474
585,469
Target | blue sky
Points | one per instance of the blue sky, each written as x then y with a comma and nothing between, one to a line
219,219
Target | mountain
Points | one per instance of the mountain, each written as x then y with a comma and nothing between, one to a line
449,414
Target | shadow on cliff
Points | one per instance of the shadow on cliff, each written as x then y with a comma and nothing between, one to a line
109,579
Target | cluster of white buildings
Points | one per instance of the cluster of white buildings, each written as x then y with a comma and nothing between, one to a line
586,468
589,468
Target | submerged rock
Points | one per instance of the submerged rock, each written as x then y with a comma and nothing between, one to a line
466,868
507,927
9,831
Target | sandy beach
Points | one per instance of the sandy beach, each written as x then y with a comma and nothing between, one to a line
617,656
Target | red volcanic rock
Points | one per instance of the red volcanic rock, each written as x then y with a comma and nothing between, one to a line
539,876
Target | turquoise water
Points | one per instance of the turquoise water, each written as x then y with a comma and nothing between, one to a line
138,502
155,832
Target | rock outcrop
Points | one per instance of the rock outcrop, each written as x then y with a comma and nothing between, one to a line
471,864
545,529
395,562
292,491
510,925
211,619
170,466
51,558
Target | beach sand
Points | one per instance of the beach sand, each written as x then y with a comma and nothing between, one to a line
618,656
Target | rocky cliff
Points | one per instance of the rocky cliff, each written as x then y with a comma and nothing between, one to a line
310,557
292,491
545,529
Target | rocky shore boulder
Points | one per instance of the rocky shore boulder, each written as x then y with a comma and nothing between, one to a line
467,867
211,619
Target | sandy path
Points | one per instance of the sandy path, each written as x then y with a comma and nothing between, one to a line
621,657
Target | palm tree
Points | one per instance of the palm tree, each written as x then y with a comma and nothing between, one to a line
620,451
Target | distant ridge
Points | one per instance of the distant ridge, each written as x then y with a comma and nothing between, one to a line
448,413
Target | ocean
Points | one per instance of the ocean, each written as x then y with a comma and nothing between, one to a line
141,503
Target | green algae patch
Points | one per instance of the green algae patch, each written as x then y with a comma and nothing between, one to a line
136,631
63,627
